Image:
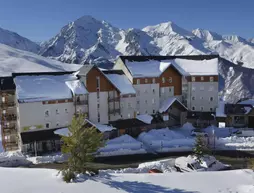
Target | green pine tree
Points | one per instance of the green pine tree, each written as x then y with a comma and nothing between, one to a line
200,148
80,145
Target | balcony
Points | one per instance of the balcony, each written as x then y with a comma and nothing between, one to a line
115,99
9,129
9,117
81,102
114,111
8,104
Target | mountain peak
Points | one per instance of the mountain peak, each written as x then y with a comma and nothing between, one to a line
167,28
234,38
206,34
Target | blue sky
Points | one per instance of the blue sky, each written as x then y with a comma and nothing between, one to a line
39,20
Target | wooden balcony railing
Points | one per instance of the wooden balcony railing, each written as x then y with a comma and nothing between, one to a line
115,99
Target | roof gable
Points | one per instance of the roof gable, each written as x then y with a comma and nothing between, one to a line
168,103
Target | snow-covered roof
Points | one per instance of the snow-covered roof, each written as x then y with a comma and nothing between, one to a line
145,118
32,88
102,128
122,83
247,102
77,87
186,67
63,132
196,67
167,103
151,68
220,110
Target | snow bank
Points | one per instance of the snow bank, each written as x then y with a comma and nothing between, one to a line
165,166
13,159
235,143
145,118
123,145
57,158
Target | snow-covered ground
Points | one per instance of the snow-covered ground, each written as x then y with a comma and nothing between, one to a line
47,180
123,145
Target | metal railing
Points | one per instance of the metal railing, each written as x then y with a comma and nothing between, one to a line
114,111
115,99
9,117
82,102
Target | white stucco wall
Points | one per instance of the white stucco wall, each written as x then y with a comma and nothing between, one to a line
202,91
32,114
148,97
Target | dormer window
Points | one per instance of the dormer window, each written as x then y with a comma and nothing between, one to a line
163,80
170,80
146,80
211,79
154,81
138,81
202,78
193,79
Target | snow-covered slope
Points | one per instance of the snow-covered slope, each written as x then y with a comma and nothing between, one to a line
16,41
45,180
14,60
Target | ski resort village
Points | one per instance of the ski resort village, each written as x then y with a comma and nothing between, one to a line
101,109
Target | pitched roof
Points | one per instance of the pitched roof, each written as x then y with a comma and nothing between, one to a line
77,87
153,66
127,123
168,103
85,69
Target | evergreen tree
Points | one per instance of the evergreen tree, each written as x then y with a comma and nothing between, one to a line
201,147
81,145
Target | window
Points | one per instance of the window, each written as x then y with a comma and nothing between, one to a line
193,79
201,98
66,110
169,89
57,124
163,80
153,91
145,101
202,78
211,88
211,79
145,112
47,125
138,102
137,112
146,80
193,88
57,111
153,111
170,80
97,82
3,99
46,113
98,105
202,88
154,81
162,90
211,109
138,81
129,115
193,108
122,105
129,105
201,108
211,98
4,111
99,119
193,98
153,101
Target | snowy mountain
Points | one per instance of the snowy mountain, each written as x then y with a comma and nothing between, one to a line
14,60
16,41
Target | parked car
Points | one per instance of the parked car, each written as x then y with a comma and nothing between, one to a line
196,132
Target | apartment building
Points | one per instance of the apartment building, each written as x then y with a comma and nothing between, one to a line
111,95
8,113
193,80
